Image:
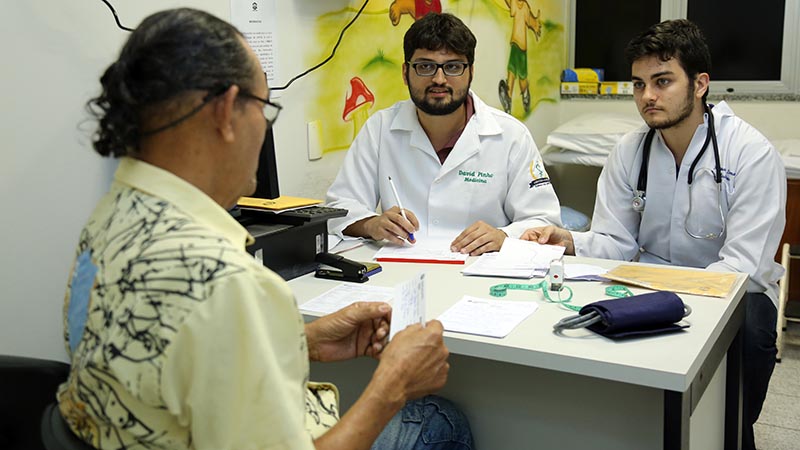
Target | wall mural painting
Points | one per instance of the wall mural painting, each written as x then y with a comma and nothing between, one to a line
518,59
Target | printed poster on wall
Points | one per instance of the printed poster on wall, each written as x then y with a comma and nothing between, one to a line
256,19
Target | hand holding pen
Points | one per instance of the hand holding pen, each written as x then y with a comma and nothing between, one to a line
414,225
393,225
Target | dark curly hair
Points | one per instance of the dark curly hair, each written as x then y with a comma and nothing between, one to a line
680,39
170,53
436,31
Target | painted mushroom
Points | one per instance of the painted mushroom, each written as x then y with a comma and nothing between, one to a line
357,104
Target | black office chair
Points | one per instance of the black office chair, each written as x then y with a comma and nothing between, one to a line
27,404
56,434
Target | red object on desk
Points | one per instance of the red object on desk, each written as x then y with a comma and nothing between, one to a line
420,261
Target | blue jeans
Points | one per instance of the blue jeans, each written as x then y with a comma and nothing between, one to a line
428,423
758,354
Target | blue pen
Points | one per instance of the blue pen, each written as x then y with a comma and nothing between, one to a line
400,205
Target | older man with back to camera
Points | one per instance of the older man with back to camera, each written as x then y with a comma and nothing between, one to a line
462,168
179,338
697,187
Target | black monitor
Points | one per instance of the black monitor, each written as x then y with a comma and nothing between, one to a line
267,175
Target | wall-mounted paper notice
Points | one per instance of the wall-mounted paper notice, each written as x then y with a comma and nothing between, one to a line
257,20
409,304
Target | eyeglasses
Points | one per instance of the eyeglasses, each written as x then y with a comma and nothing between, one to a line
429,68
271,109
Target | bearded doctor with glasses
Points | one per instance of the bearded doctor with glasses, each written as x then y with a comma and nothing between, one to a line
465,172
696,187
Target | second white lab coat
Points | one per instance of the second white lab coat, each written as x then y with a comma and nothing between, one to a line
753,202
494,173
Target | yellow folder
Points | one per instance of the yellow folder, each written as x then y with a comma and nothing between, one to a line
277,204
687,281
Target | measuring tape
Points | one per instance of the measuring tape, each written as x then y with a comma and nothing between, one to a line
500,290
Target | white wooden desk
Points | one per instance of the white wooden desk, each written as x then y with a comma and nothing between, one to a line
536,389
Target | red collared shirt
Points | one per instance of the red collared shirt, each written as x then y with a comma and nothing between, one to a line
445,150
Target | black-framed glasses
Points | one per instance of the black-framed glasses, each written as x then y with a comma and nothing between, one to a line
271,109
429,68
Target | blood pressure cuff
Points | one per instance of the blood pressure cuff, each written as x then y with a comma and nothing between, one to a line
646,314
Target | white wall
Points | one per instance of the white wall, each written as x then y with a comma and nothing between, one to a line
54,52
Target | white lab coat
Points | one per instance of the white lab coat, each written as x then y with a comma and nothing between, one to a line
494,173
753,203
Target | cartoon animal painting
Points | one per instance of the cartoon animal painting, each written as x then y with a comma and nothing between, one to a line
415,8
522,20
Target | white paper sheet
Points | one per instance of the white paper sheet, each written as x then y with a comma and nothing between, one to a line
337,245
493,318
585,272
409,305
535,254
346,294
424,251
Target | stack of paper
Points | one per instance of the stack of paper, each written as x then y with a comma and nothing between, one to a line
516,259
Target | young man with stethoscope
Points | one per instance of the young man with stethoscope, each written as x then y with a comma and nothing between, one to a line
696,187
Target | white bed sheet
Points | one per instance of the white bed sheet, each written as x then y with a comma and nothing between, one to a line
557,155
789,150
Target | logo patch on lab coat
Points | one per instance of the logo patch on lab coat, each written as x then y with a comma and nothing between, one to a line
539,176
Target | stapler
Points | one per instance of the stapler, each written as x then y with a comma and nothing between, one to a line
349,270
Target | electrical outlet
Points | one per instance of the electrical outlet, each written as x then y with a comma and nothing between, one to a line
314,145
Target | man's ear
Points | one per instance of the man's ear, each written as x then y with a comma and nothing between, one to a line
701,84
223,113
406,67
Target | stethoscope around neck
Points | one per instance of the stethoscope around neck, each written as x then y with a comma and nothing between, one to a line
640,197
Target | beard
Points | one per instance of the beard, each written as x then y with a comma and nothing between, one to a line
686,110
438,107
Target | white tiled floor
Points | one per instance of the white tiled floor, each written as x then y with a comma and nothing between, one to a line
778,427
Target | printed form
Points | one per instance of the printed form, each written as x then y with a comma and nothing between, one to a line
345,295
493,318
407,300
409,304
